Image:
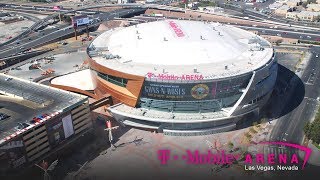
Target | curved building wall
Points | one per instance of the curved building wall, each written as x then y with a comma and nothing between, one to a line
211,95
259,89
233,96
122,87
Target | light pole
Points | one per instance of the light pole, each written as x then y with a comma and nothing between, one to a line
110,128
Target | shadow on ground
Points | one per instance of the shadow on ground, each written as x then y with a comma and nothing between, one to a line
287,95
83,150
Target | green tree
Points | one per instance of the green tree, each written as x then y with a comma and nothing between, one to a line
252,130
230,145
306,129
278,42
312,130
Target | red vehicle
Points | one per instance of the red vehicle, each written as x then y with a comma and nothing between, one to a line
45,115
36,119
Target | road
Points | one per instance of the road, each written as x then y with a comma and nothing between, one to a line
44,21
289,127
57,33
257,15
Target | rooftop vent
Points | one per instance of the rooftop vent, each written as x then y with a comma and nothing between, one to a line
195,70
127,61
253,40
165,39
226,67
164,71
137,32
202,38
138,37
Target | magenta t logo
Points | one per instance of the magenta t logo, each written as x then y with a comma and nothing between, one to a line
306,150
164,156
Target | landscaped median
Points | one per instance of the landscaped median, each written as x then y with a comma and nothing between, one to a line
309,42
312,130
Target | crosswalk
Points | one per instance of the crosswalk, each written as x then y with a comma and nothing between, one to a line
276,150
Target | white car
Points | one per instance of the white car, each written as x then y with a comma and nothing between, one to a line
317,55
8,79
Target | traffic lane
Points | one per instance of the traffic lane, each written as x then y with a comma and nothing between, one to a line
290,127
292,98
270,25
284,33
59,34
20,43
270,17
283,122
293,131
40,41
37,25
31,37
46,9
308,112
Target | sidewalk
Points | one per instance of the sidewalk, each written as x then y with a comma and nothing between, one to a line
314,158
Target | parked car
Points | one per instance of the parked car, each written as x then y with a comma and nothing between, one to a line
8,79
3,116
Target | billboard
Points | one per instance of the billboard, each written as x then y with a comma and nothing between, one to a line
67,126
80,20
193,91
176,92
57,8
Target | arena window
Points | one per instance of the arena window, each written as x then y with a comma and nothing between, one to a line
113,79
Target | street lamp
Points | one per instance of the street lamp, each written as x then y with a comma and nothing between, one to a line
110,128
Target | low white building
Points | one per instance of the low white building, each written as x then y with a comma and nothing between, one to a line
125,1
303,16
293,3
211,9
192,4
275,5
282,10
313,7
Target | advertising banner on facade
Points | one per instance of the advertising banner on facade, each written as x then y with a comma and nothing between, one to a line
176,92
67,126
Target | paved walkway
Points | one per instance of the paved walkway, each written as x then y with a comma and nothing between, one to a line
315,155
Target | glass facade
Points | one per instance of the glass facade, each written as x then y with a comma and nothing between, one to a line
114,80
193,97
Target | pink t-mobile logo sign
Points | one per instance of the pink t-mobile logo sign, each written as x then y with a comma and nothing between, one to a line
195,157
